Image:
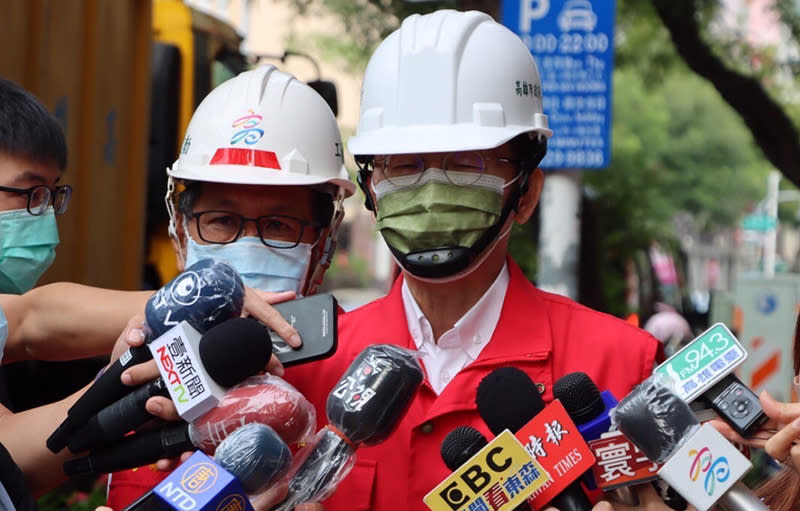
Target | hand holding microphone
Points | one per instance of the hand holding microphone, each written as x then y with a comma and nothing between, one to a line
205,294
262,399
698,462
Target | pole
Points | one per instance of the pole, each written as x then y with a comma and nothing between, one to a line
771,234
559,233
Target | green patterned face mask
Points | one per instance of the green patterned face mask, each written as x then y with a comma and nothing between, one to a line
435,213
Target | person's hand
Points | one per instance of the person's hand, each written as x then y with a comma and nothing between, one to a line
275,495
648,501
257,304
781,424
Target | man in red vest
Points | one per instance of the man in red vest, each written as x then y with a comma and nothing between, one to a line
449,139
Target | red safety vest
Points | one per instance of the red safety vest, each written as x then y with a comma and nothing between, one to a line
545,335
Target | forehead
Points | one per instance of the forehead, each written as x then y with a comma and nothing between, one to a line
23,173
253,200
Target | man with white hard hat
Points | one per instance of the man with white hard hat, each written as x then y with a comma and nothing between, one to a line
449,139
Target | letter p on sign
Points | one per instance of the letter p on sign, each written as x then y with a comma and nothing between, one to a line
530,10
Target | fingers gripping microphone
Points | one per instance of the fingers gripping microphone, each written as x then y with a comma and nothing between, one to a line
205,294
229,353
364,407
700,463
508,399
245,342
274,403
254,455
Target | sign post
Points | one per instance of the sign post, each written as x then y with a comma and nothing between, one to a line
572,42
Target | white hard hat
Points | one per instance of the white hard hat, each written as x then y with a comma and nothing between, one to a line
263,127
448,81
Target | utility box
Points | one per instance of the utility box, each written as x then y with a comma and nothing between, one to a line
764,317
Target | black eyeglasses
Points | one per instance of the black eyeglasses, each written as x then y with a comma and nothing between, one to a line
277,231
41,196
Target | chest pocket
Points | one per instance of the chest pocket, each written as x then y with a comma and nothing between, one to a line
355,492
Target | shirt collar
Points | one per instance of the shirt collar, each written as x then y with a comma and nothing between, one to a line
473,330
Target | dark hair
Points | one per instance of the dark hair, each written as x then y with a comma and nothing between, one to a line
27,129
321,208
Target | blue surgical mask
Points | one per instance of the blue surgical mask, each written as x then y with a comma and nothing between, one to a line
261,267
27,248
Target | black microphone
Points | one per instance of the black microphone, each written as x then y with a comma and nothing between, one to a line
461,444
254,454
500,407
591,411
229,353
205,294
364,407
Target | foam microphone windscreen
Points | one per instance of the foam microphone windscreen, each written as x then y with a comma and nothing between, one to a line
255,454
655,419
373,395
234,350
507,398
580,397
205,294
460,445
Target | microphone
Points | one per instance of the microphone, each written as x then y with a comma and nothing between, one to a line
205,294
364,407
228,353
246,462
588,408
499,474
620,464
699,463
460,445
500,406
263,399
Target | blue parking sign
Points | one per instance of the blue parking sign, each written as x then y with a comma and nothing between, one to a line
573,44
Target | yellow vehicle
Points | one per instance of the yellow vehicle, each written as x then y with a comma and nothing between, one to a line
192,53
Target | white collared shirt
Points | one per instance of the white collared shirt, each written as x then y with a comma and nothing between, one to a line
462,344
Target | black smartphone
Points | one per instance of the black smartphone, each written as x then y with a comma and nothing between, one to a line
736,404
314,317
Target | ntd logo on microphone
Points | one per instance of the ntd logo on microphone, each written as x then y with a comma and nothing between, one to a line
499,477
705,467
178,360
199,483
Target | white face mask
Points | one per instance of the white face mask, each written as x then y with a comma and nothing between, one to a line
261,267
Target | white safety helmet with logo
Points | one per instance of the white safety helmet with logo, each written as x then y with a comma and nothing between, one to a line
265,127
447,82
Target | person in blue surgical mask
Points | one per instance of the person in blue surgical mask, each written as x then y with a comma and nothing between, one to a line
260,181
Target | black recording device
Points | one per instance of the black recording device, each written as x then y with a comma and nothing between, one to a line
736,404
314,318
